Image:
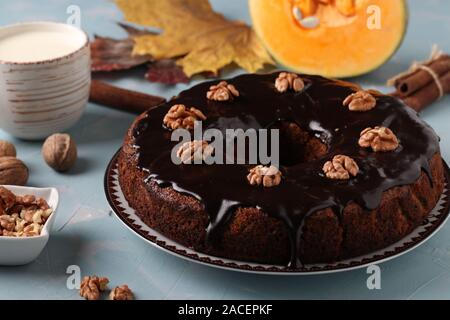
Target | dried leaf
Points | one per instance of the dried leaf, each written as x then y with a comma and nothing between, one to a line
111,54
166,71
132,31
204,39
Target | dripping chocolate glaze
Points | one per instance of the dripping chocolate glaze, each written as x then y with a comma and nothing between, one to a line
304,189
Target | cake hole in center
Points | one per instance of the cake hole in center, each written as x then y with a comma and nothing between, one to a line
298,146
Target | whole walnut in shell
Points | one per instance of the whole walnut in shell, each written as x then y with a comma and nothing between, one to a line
60,152
7,149
13,171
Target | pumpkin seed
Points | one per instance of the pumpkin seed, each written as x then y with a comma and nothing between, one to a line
310,22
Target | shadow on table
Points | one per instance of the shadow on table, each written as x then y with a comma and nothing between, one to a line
82,165
100,125
53,261
253,286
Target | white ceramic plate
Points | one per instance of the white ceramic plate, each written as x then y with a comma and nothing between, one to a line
21,251
127,215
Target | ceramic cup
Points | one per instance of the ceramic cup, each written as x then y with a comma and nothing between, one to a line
39,98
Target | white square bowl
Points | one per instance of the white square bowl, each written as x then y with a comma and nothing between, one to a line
20,251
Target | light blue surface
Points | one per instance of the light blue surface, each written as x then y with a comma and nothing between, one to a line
87,236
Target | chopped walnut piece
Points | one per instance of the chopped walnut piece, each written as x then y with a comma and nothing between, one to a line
7,200
360,101
27,215
286,81
92,286
340,168
22,216
16,209
20,225
89,289
38,216
7,233
28,200
42,204
380,139
267,176
7,222
179,116
31,230
121,293
222,92
194,152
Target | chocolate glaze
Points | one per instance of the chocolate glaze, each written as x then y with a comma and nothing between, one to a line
304,189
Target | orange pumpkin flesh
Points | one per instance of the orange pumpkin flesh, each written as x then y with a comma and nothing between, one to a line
344,43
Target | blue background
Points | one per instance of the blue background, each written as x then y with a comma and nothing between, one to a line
88,236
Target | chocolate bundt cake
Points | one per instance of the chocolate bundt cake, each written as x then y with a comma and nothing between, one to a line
358,171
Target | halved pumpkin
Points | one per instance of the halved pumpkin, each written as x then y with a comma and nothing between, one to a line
333,38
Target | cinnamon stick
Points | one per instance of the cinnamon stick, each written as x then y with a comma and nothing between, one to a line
425,82
122,99
421,78
422,98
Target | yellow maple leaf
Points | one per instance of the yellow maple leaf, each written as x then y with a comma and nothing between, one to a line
202,39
